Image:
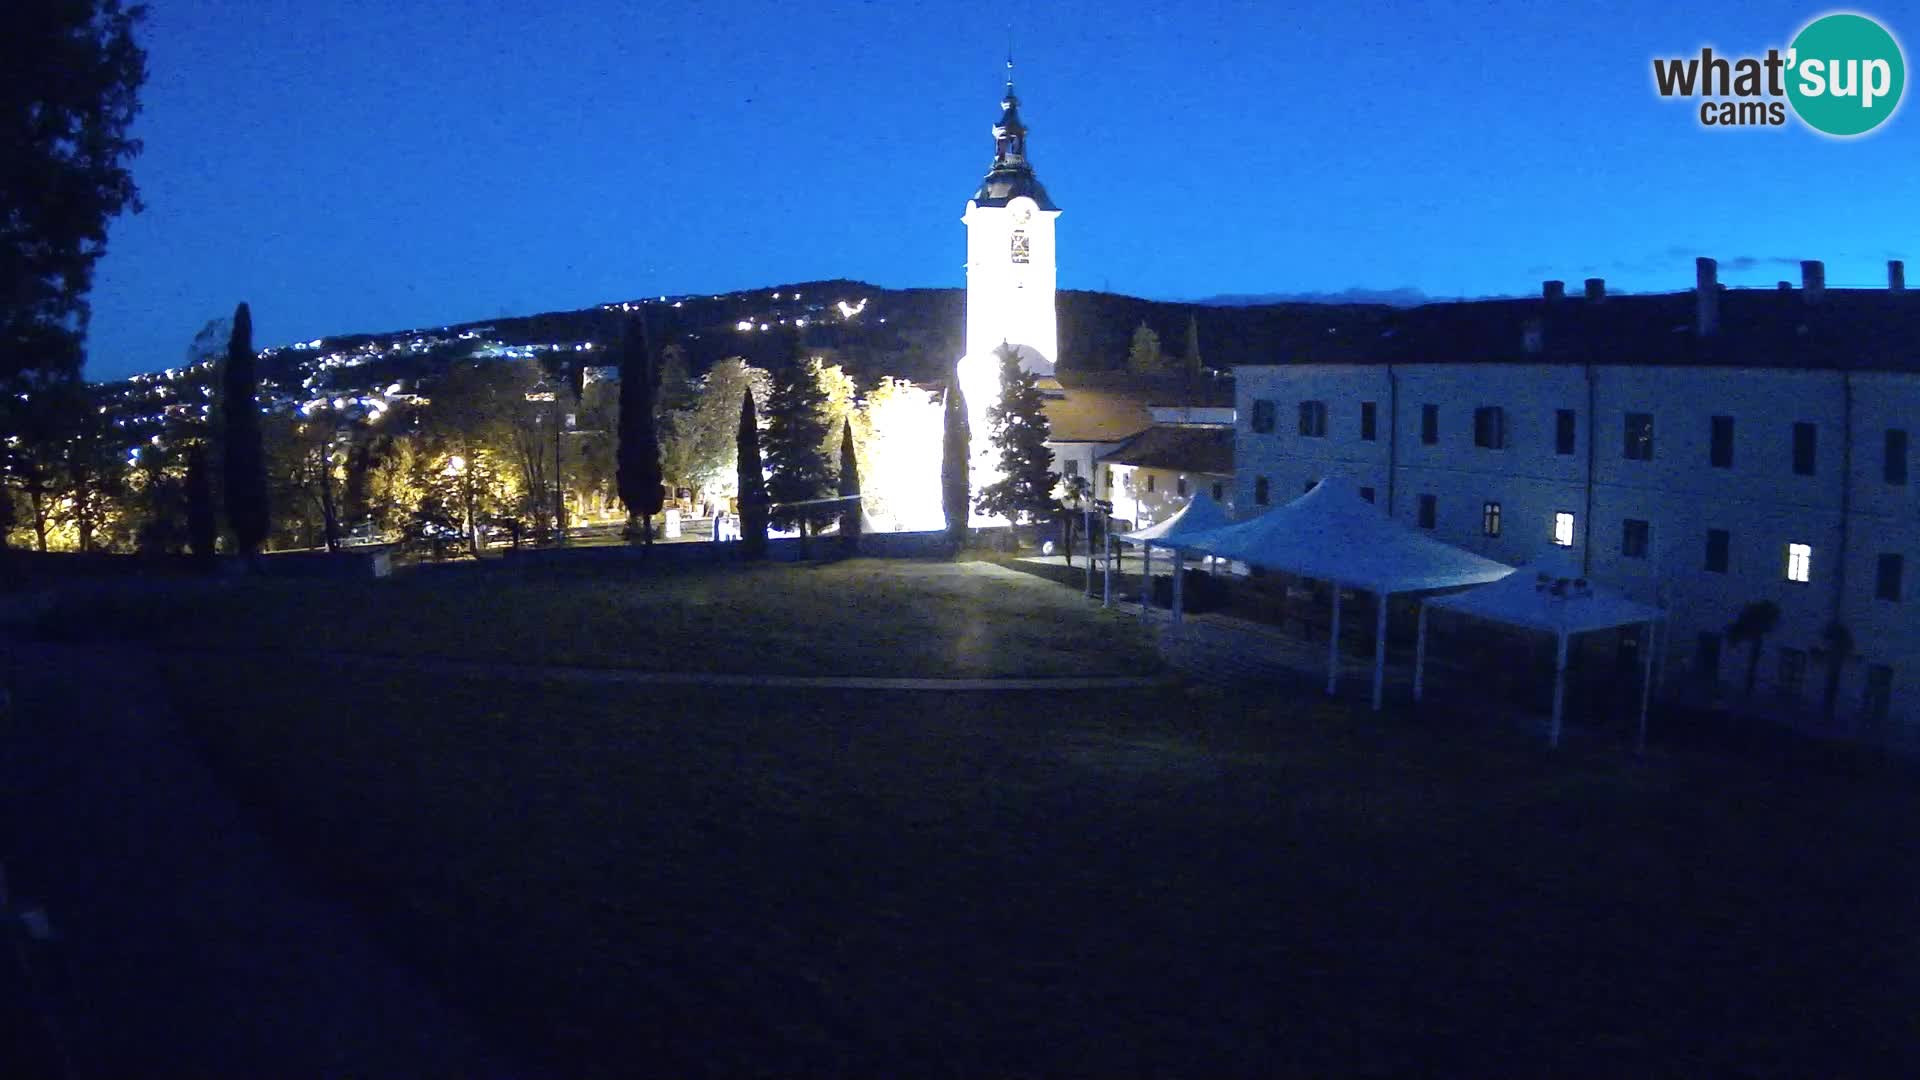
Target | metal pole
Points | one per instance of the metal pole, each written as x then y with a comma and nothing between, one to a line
1179,568
1420,654
1087,527
1146,579
1559,688
1379,649
1333,644
1106,543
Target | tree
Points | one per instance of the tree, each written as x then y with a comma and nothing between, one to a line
470,439
753,482
246,474
1751,626
638,478
203,526
849,489
956,441
1191,361
798,468
1144,357
1017,427
1837,642
70,92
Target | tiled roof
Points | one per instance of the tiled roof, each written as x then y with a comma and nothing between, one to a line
1182,449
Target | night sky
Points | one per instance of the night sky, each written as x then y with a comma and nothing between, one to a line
359,165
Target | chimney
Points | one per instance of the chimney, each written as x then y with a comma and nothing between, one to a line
1813,280
1896,276
1706,297
1596,288
1555,291
1786,286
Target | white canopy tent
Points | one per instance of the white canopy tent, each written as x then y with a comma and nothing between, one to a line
1549,594
1333,535
1199,515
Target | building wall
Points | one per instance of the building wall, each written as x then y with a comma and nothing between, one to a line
1759,500
1146,495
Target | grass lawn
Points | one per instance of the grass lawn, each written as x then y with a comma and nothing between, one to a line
858,617
696,882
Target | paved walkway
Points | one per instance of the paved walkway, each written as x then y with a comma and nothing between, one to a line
191,948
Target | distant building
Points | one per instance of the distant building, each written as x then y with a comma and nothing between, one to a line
1700,450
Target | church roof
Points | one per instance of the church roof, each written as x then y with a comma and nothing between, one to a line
1011,176
1003,185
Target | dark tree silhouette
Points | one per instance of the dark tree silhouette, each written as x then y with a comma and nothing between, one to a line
1751,626
1837,642
849,487
798,469
956,497
1017,427
71,88
203,527
246,469
638,475
752,482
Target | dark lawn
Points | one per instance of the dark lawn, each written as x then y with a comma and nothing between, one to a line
890,617
919,884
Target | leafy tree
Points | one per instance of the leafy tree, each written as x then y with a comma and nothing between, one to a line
699,444
956,441
203,526
246,475
96,473
1017,427
73,73
1755,621
470,421
639,449
798,468
849,487
752,480
1144,357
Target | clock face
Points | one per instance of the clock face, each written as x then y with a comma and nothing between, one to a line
1021,215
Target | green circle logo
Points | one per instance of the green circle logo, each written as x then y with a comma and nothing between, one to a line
1845,74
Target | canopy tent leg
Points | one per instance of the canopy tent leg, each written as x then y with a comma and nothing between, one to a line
1420,654
1106,588
1379,648
1559,688
1646,689
1333,644
1146,580
1179,565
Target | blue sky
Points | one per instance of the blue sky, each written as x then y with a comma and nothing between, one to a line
357,165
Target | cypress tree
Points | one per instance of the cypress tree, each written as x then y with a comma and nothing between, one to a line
955,441
637,463
1018,428
849,487
752,482
246,469
203,527
1193,365
798,469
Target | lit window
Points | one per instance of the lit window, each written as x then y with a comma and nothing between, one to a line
1800,562
1563,528
1490,519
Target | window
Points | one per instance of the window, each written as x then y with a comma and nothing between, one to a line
1367,424
1563,528
1219,492
1800,563
1879,696
1718,542
1886,583
1633,538
1260,490
1490,427
1490,518
1313,419
1706,656
1639,441
1563,431
1366,493
1805,446
1180,486
1109,479
1895,469
1793,672
1149,483
1263,417
1071,466
1429,511
1720,456
1429,424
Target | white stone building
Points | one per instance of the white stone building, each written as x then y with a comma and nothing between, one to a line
1703,450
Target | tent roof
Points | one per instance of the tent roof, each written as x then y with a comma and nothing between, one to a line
1332,534
1199,515
1528,598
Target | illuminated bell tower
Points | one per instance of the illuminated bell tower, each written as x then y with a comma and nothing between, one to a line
1010,264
